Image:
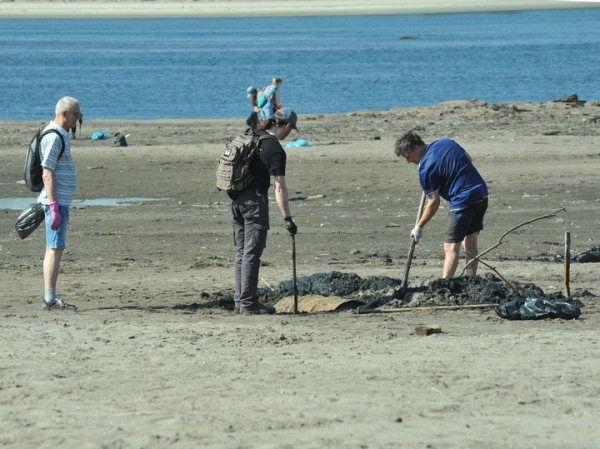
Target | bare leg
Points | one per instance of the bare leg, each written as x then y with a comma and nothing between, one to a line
452,251
51,266
470,246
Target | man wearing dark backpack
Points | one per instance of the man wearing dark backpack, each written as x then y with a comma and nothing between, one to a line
250,210
60,181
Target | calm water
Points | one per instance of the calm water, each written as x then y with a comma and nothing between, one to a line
22,203
200,68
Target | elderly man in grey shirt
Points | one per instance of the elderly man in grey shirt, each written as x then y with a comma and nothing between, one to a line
60,182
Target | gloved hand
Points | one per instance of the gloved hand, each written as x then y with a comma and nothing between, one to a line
416,233
290,226
55,216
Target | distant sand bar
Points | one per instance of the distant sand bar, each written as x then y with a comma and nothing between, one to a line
248,8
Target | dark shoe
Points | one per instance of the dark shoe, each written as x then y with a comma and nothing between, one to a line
259,309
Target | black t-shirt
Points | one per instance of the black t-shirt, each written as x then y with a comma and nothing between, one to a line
270,162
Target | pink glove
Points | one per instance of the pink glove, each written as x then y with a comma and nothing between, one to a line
55,216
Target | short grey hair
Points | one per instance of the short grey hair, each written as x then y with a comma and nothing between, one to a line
65,104
407,143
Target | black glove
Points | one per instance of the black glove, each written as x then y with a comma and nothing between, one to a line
290,226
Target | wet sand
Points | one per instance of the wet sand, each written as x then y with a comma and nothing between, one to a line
151,359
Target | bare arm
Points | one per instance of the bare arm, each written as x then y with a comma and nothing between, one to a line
433,204
282,196
48,178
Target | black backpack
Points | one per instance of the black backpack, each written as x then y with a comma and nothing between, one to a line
33,162
233,167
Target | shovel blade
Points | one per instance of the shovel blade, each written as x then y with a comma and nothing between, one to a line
315,303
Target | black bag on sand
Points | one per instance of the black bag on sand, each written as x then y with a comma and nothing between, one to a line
591,254
28,221
537,309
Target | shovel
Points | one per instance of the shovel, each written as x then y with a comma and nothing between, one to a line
404,283
295,283
311,303
368,306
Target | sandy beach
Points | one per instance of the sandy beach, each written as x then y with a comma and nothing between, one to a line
244,8
152,358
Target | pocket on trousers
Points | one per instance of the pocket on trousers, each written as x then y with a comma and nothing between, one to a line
257,237
251,209
256,213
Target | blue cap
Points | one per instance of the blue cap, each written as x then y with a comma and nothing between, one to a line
288,116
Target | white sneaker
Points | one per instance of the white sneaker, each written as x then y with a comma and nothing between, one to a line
57,303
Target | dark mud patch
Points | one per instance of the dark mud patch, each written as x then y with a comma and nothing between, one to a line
469,290
383,291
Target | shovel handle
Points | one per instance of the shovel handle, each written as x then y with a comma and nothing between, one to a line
408,262
421,207
294,272
412,244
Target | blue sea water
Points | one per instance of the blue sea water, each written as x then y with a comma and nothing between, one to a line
200,68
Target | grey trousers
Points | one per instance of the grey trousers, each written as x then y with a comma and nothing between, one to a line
250,214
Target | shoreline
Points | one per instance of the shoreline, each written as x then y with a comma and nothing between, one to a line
79,9
473,103
450,119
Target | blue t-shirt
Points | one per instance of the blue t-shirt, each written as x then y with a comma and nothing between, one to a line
446,167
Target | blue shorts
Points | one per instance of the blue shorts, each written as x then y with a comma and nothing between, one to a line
56,239
465,222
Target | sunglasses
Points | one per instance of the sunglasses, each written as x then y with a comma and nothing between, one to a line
78,115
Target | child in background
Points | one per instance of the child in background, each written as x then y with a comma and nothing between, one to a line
271,93
252,121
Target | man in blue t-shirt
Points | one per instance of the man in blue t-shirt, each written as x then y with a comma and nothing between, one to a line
447,171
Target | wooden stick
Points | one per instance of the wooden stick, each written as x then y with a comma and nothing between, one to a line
553,214
567,263
295,282
263,279
512,287
413,309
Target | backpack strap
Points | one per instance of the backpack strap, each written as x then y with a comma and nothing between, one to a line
263,137
266,136
62,140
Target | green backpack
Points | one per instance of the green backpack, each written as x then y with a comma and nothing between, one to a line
233,167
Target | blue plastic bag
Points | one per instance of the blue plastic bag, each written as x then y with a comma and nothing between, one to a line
100,135
297,143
